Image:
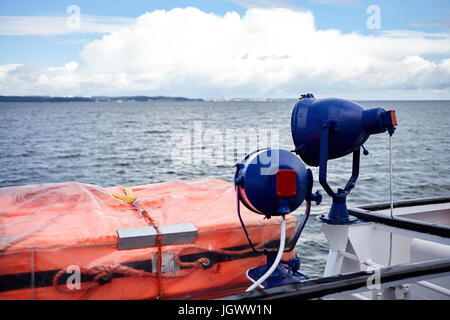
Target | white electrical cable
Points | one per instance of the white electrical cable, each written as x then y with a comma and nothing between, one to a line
390,177
277,259
390,197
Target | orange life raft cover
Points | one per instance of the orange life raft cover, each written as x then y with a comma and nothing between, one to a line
60,241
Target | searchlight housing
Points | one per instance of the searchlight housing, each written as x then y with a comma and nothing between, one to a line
325,129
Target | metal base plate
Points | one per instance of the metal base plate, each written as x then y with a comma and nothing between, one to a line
349,220
280,276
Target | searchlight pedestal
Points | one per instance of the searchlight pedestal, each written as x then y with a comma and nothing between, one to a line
325,129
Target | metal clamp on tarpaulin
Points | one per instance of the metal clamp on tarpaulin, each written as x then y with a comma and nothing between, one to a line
143,237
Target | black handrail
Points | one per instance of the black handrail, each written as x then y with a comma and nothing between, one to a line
321,287
405,203
369,213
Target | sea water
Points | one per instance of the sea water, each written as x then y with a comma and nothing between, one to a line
133,143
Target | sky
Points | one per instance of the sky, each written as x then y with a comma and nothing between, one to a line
355,49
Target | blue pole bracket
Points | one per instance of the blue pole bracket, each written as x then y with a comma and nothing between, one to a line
338,212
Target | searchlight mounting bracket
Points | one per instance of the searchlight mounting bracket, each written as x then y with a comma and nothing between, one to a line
338,212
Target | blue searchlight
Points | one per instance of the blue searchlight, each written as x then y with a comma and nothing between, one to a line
325,129
274,182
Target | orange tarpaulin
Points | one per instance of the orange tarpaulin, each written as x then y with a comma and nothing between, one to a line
46,228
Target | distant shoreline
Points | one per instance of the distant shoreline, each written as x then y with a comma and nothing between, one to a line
129,98
91,99
159,98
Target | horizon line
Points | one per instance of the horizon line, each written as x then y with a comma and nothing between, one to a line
162,97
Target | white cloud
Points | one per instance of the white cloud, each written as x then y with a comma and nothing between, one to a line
270,52
70,66
338,1
266,4
59,25
445,23
4,69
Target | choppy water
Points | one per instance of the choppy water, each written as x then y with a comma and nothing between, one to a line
132,143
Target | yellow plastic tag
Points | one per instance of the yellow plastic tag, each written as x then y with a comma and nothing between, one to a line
129,197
